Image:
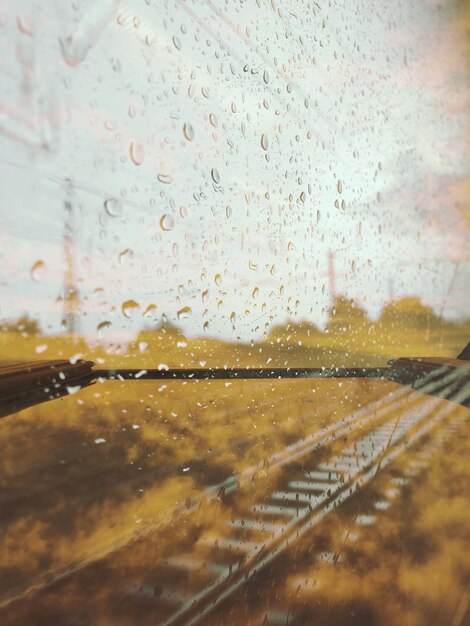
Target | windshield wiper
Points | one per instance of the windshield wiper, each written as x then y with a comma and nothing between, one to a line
27,384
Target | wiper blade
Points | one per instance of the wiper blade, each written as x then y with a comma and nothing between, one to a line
240,373
26,384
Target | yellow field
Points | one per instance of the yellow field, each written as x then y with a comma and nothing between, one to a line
88,472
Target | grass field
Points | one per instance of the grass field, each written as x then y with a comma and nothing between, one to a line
90,471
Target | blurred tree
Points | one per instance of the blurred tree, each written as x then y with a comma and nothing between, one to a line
409,314
292,331
24,324
346,315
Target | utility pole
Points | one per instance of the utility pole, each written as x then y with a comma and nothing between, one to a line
70,296
331,275
391,294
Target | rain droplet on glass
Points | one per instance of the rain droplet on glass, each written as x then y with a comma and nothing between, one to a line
188,132
165,178
184,312
150,309
129,307
215,175
136,151
113,207
25,25
167,222
38,271
125,254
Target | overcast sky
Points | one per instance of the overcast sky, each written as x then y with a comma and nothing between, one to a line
211,154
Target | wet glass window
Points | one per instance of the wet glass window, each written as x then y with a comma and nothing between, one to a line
235,312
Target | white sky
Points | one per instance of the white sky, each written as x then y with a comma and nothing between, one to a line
372,94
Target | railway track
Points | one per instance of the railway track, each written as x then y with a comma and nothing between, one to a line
312,478
298,601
